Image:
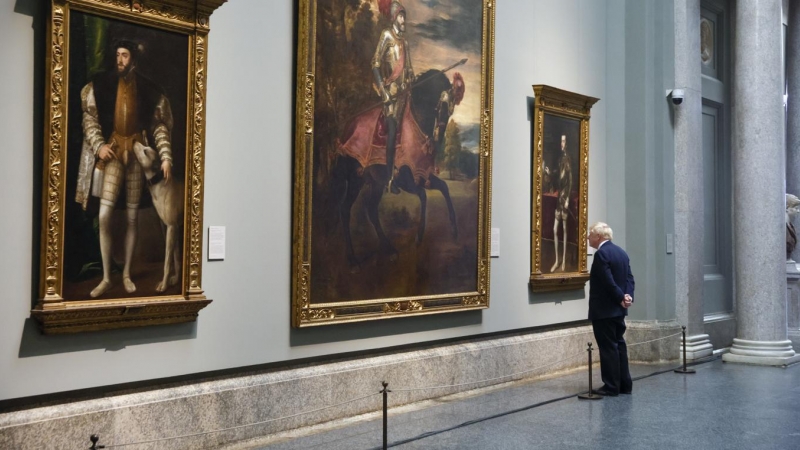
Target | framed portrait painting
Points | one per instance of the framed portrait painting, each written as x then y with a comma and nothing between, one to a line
560,180
392,159
123,164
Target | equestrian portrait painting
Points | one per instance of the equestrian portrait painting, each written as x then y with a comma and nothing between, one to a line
392,159
123,156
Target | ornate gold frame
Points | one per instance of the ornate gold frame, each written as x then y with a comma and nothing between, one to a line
566,104
53,313
307,312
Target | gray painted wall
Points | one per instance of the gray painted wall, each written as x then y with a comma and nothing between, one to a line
649,155
578,45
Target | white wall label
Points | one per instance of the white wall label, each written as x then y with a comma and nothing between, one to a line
495,252
216,243
669,243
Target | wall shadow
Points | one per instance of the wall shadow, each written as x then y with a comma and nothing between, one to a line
37,10
555,297
381,328
34,343
530,101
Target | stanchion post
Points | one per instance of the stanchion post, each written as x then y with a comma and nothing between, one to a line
591,395
385,393
684,369
95,439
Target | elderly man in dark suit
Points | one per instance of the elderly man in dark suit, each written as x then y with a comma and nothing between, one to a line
610,295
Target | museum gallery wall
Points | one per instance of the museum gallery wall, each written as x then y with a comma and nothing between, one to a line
251,129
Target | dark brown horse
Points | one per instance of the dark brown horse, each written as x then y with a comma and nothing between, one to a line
352,174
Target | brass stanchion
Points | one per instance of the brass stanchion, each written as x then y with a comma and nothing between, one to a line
385,393
591,395
95,439
684,369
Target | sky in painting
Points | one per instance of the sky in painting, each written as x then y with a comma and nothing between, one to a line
441,33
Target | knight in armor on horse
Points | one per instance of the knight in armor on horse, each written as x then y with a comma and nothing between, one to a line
391,67
404,129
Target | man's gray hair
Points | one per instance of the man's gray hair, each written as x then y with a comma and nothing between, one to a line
603,230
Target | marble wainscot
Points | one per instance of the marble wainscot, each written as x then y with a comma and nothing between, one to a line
233,403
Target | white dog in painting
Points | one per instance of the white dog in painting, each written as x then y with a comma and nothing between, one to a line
168,201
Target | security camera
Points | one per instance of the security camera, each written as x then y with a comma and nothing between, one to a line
677,96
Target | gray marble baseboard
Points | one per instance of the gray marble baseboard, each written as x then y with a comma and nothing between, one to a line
662,350
721,329
228,403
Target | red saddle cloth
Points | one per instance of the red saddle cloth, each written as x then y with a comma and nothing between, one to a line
365,138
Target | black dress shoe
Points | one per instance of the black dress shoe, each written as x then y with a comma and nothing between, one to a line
605,393
626,392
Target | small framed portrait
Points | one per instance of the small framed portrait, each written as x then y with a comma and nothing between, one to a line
123,157
392,159
560,151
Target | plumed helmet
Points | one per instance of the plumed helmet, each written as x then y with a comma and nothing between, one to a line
458,88
390,8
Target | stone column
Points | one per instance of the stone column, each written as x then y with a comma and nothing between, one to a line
689,206
758,190
793,109
793,160
793,299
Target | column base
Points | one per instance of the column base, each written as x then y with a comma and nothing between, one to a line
794,336
697,346
762,353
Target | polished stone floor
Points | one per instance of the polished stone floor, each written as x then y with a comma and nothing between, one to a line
723,405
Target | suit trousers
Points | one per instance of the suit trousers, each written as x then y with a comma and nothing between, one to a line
613,353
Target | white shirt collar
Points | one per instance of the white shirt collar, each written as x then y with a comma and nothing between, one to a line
601,245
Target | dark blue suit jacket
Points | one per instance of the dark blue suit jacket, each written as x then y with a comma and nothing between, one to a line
609,280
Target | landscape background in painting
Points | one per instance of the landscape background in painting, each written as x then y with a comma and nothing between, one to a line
164,60
439,34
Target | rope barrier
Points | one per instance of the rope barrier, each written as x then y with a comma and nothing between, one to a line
653,340
521,372
488,379
383,392
526,408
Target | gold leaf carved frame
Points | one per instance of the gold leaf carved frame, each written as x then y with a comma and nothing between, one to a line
54,314
564,105
308,311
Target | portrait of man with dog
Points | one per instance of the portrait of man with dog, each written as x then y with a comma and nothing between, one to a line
126,165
